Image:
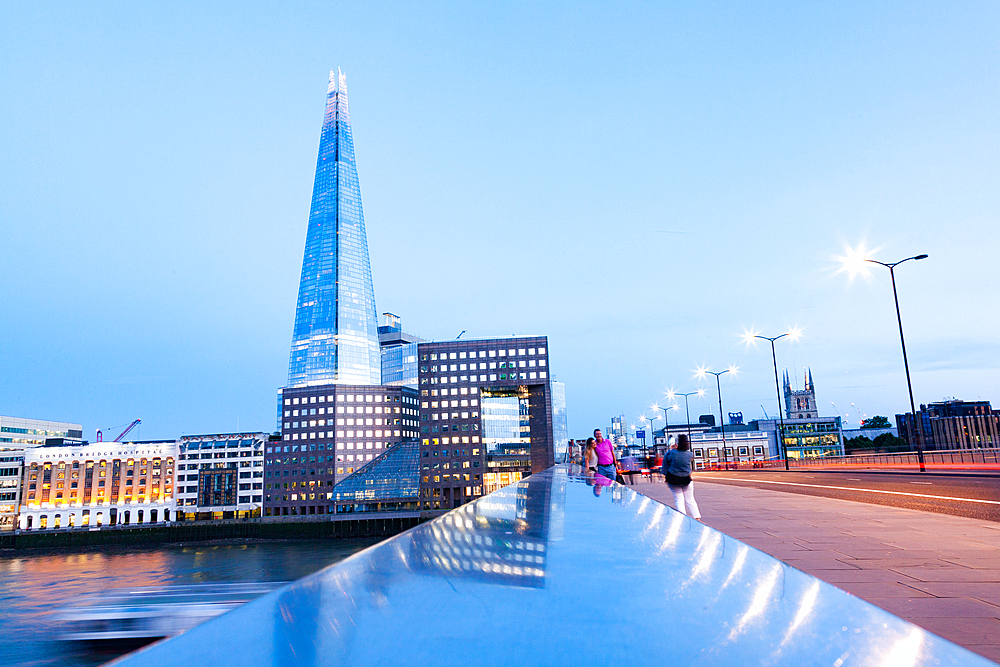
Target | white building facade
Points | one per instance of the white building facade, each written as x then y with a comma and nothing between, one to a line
220,476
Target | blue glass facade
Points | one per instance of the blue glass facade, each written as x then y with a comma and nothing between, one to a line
399,365
394,476
335,339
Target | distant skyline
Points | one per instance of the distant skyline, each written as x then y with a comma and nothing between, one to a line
663,176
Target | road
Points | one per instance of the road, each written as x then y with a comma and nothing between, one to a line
970,495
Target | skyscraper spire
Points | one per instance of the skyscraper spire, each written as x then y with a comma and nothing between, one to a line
335,337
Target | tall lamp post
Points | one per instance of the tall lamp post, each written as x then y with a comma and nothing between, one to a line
666,424
702,373
793,334
650,420
917,428
687,413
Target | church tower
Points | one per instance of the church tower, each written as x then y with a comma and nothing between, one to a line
801,404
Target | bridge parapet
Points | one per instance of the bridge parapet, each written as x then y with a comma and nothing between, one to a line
555,570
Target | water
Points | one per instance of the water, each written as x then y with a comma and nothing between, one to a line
33,588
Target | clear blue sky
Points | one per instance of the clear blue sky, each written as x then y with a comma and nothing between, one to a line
639,182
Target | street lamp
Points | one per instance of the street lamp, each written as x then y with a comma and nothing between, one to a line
702,373
666,422
687,413
918,429
751,337
650,420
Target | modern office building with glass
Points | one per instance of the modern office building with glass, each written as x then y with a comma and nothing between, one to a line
220,476
328,432
335,337
486,416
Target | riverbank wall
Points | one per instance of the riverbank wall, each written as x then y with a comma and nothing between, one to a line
204,531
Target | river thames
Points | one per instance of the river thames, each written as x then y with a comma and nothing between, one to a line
33,588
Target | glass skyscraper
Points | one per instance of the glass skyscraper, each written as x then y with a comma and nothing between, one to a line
335,339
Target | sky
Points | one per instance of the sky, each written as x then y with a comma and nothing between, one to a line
640,182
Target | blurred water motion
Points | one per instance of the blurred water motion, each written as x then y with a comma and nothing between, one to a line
145,614
36,590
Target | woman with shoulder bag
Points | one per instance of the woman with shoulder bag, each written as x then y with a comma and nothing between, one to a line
677,470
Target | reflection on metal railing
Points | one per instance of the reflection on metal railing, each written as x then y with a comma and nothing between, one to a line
948,459
548,572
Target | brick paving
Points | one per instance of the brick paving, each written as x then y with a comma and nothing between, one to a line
937,571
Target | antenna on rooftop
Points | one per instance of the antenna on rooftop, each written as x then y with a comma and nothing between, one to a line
460,335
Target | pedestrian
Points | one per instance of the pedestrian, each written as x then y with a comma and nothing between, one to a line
607,464
590,458
677,471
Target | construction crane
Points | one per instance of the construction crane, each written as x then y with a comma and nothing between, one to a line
100,435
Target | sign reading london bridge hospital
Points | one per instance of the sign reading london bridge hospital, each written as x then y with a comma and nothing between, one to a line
99,484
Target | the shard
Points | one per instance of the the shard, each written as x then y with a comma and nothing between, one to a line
335,340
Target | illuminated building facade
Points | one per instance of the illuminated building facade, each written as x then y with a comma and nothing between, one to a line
335,337
220,476
99,484
486,416
328,432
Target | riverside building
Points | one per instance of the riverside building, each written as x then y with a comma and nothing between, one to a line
953,424
17,434
327,433
220,476
99,484
486,416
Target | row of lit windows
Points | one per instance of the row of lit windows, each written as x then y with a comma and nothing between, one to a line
243,500
350,409
493,365
493,377
340,422
350,434
482,354
465,439
351,398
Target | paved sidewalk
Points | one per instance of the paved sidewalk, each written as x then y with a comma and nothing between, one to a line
940,572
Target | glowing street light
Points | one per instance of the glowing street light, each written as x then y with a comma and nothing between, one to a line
672,395
702,373
751,336
666,422
917,429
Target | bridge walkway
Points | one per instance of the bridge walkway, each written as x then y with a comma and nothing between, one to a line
937,571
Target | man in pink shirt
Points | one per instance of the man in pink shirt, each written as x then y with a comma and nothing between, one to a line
607,464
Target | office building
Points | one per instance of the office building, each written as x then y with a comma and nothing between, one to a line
485,416
399,353
327,432
11,483
953,424
220,476
104,483
19,433
335,337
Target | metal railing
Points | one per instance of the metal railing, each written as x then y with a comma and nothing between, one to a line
949,459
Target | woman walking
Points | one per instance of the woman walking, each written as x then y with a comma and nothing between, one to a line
677,470
590,458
